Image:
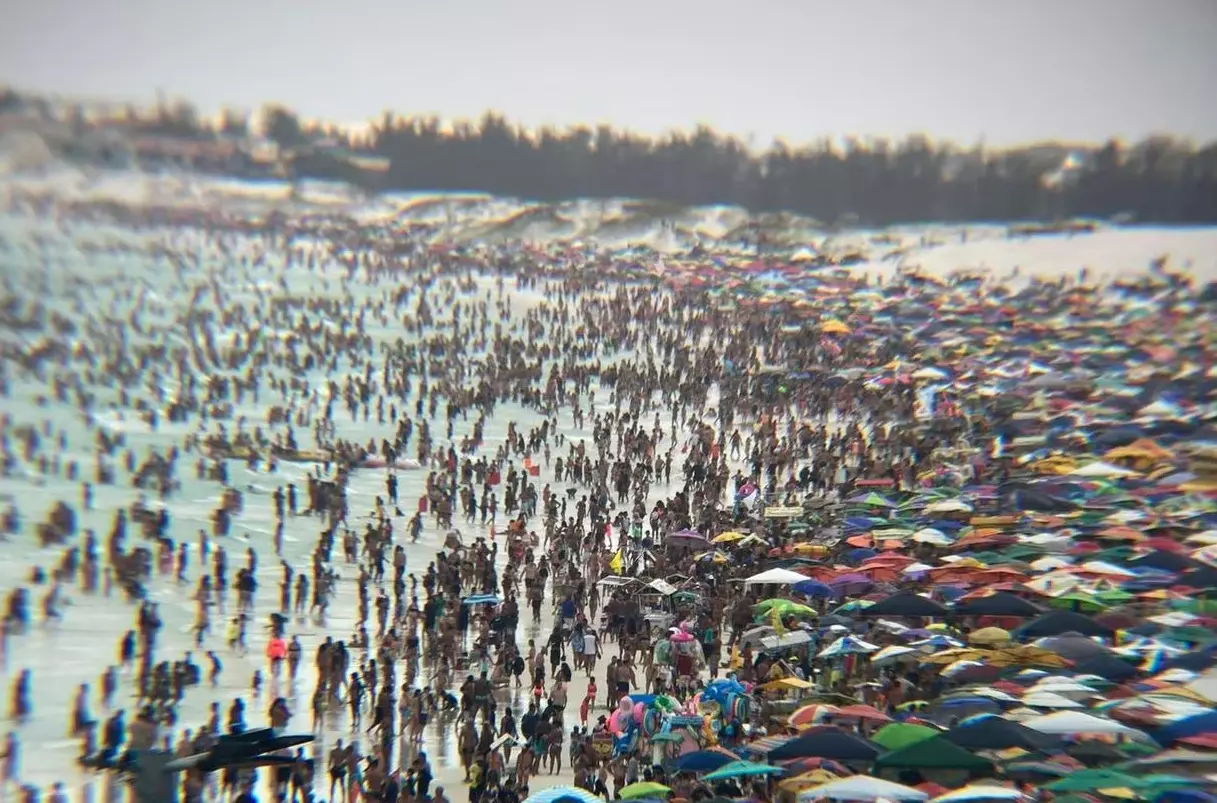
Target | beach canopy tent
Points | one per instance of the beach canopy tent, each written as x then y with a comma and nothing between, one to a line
784,577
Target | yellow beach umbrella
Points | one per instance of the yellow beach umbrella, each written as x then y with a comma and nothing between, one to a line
807,779
988,636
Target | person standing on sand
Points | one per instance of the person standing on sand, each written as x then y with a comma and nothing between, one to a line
625,677
10,761
591,651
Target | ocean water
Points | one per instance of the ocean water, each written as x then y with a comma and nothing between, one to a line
49,257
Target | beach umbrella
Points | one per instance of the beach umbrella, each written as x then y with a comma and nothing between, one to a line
987,732
1079,723
892,653
962,704
1094,754
932,536
1187,727
810,715
1057,622
813,588
865,712
1073,646
826,742
863,789
947,506
1027,655
742,769
1046,699
899,735
847,645
989,636
643,789
687,537
704,760
960,654
1073,688
812,778
563,794
783,607
872,500
980,792
804,765
1036,771
933,754
777,577
938,641
1185,795
1001,603
1093,781
1107,667
906,603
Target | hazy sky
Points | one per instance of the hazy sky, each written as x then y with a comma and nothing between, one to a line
1012,71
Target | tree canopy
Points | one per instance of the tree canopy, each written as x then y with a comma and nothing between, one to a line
1159,180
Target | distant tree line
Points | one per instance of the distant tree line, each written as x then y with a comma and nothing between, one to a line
1161,179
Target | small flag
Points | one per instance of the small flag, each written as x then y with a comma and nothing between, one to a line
617,564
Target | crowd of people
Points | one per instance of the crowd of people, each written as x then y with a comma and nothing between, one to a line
466,469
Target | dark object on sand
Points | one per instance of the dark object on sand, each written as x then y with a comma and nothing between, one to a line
155,771
247,749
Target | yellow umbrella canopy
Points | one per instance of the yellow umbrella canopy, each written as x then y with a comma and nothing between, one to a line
988,636
958,654
1027,655
806,780
786,684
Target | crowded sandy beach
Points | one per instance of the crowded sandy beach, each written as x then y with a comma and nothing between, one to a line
425,520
